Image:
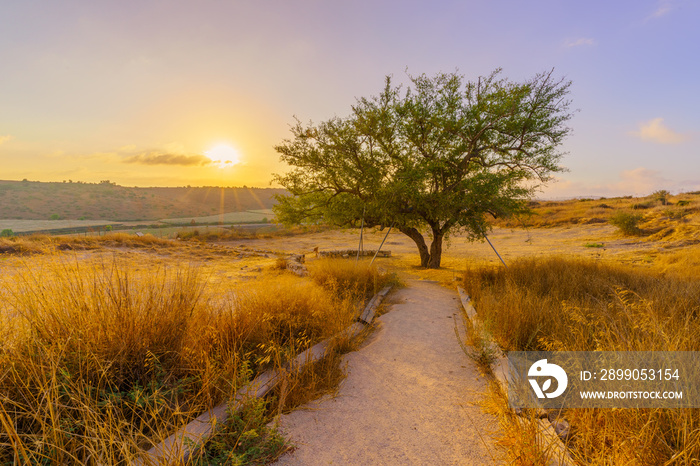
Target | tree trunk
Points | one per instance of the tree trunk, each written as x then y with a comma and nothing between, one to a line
429,258
420,242
435,250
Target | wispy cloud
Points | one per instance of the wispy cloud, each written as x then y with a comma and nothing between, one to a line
638,182
582,41
160,158
663,8
4,139
655,131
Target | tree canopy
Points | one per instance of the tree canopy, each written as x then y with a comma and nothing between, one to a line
439,155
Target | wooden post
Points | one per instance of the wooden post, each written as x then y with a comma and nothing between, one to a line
380,246
362,230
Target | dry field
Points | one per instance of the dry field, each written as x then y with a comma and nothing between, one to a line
111,342
597,242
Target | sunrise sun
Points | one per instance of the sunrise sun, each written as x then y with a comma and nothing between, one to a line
223,155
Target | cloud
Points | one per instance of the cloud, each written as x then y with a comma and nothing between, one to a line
636,182
664,7
655,131
4,139
640,180
160,158
579,42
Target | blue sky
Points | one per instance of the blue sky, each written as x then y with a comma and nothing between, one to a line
139,92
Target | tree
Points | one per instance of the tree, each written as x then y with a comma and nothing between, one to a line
661,196
439,156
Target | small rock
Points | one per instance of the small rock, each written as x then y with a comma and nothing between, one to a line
562,429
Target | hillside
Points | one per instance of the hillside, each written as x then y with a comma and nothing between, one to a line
32,200
659,216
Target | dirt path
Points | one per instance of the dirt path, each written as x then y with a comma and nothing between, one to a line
408,397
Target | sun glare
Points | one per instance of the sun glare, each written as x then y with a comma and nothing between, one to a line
223,155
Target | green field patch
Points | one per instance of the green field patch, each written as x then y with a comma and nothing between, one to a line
24,226
249,216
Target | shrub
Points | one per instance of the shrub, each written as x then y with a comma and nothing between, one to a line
661,196
6,233
280,263
189,235
626,222
676,214
245,438
642,205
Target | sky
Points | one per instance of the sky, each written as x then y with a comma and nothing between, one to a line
176,93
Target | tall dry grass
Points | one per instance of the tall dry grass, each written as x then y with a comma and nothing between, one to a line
559,304
683,262
99,359
248,232
45,244
347,278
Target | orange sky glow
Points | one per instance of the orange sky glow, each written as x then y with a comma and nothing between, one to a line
139,92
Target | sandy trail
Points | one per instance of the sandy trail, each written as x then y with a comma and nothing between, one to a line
408,397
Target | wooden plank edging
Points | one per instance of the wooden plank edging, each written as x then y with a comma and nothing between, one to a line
371,308
353,253
505,374
178,447
466,304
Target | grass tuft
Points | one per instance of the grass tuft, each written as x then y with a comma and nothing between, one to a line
349,278
627,223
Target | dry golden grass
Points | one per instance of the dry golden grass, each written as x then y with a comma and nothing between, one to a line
99,357
673,220
348,278
230,234
518,438
561,304
681,262
45,244
582,305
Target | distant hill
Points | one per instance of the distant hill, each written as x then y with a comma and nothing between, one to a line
33,200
